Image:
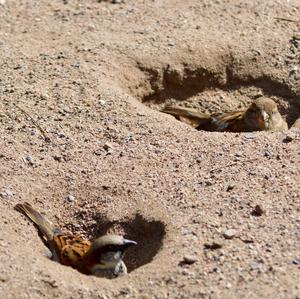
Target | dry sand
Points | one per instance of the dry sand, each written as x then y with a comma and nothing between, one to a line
81,83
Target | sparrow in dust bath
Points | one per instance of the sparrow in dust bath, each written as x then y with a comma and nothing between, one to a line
101,257
261,115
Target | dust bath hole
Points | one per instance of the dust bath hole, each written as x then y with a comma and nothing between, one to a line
148,233
212,92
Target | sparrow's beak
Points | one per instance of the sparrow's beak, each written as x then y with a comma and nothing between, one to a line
265,116
127,243
263,120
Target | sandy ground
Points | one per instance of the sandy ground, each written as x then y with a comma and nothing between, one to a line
81,83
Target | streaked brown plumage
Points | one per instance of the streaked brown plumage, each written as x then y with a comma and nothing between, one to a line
101,257
261,115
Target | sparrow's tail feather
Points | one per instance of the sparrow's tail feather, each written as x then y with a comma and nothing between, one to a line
187,112
43,224
189,116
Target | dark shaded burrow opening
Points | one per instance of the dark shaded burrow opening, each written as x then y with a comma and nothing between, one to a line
148,233
178,84
189,85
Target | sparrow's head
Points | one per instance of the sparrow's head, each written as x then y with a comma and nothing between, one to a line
110,250
263,113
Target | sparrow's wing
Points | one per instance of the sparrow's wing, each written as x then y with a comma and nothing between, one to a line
191,117
71,249
44,226
227,121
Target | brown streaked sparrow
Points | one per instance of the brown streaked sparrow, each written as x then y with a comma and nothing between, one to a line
102,257
261,115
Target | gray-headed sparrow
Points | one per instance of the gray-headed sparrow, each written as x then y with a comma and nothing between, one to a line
102,257
261,115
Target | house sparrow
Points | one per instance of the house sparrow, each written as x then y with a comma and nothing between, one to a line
101,257
261,115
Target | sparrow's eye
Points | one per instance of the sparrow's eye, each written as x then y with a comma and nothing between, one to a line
110,248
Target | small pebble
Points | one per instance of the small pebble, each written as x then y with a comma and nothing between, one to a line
77,64
296,261
199,159
257,211
230,186
66,110
98,152
28,159
70,198
187,272
188,260
61,135
239,154
6,193
58,158
107,146
9,192
213,246
228,285
251,135
230,233
255,266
